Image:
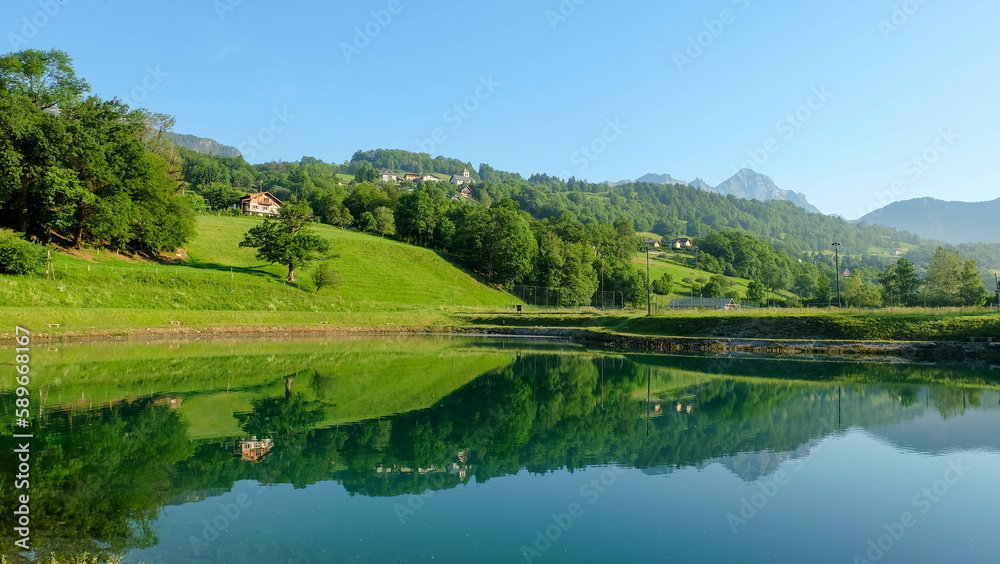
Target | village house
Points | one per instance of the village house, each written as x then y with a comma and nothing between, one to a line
411,177
466,192
262,204
682,243
460,179
651,243
253,450
389,176
430,178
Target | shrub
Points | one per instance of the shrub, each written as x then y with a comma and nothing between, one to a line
18,256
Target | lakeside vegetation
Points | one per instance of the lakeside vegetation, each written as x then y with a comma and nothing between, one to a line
117,229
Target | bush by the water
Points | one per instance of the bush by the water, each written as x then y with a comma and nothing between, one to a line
18,256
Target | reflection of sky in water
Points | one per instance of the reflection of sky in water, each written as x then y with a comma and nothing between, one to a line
823,504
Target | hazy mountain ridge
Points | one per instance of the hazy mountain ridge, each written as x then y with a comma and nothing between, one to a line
751,185
951,222
203,145
746,184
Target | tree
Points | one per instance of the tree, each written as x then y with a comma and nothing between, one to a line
220,195
497,242
972,287
951,280
718,287
47,78
805,285
364,172
287,239
664,285
368,222
823,291
899,283
385,221
756,291
323,277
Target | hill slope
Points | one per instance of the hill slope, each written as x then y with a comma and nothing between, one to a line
222,284
951,222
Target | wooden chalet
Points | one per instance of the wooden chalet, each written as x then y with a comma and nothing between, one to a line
261,203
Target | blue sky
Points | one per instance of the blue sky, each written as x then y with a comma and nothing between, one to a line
600,90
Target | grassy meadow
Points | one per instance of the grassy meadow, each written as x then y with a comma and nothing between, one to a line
215,283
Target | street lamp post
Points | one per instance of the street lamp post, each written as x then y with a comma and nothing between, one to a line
836,247
649,288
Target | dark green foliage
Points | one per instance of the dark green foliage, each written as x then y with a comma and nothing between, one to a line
94,172
418,163
18,256
664,285
756,291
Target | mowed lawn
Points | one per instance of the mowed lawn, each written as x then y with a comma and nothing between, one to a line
219,279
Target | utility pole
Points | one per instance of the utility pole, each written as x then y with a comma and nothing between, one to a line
602,282
649,288
836,247
996,281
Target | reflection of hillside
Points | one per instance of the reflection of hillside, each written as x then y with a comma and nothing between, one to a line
550,412
539,412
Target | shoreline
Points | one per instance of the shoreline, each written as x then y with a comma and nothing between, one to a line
919,351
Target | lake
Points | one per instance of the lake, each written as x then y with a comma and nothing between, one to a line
477,450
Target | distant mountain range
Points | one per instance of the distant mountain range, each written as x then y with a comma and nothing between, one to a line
203,145
746,184
951,222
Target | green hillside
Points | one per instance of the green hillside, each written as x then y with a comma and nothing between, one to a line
376,276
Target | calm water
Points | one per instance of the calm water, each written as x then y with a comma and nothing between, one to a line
455,450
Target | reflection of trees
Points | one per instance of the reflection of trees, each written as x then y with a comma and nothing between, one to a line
99,478
102,475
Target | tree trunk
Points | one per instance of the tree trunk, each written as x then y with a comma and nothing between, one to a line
291,272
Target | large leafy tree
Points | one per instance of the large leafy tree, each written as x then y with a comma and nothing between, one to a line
952,280
498,242
47,78
900,283
288,239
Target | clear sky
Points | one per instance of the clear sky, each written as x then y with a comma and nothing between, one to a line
693,89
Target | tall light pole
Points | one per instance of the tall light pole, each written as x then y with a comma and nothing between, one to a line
836,247
996,281
649,288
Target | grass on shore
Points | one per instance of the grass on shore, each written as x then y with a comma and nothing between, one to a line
784,324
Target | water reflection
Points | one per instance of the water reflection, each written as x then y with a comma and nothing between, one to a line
106,478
